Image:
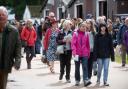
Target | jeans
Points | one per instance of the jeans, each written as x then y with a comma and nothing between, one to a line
84,61
95,66
103,63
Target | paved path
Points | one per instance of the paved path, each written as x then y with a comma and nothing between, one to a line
39,77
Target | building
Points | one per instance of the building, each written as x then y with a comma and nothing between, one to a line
33,12
81,8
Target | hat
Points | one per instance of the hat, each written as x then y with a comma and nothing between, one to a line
52,21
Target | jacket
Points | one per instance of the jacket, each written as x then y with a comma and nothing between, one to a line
125,39
80,44
103,47
11,49
29,35
120,34
47,38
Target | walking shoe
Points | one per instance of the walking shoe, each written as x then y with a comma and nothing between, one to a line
95,73
29,65
123,65
77,83
87,83
97,82
68,81
106,84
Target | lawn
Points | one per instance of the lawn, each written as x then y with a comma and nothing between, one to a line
118,58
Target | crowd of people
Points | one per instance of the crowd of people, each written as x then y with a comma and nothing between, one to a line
88,42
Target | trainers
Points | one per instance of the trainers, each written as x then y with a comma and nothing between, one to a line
87,83
106,84
68,81
77,83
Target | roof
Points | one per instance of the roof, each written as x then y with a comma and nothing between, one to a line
71,3
44,4
34,10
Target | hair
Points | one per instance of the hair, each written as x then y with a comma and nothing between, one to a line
106,29
51,14
66,22
4,10
100,20
92,25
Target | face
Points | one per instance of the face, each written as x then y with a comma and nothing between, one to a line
54,25
51,15
3,18
67,26
126,21
83,27
88,24
29,24
103,30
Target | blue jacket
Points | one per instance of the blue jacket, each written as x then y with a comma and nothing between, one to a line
120,34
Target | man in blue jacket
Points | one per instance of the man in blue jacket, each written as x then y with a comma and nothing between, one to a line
120,36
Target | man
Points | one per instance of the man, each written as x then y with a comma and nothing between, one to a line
10,48
120,36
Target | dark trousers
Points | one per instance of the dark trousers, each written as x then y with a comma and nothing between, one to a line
30,52
90,65
65,62
3,79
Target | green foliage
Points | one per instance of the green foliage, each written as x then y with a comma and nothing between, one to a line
34,2
19,6
118,58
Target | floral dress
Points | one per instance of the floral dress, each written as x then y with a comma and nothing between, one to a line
51,52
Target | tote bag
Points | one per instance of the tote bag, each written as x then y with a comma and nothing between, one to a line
60,49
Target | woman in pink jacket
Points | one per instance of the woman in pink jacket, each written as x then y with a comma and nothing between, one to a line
81,48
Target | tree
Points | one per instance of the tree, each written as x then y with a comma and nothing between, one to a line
19,6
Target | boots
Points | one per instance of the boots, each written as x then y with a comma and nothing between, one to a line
28,63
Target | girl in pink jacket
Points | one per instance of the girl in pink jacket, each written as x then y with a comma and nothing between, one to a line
81,48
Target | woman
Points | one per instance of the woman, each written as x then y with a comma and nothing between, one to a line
103,51
50,44
81,47
92,33
29,35
64,38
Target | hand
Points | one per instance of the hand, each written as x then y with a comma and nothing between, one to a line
73,55
17,65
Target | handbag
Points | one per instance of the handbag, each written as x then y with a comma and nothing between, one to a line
44,60
60,49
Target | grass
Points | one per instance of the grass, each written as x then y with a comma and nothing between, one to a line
118,59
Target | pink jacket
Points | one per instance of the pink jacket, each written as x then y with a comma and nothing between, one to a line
80,44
